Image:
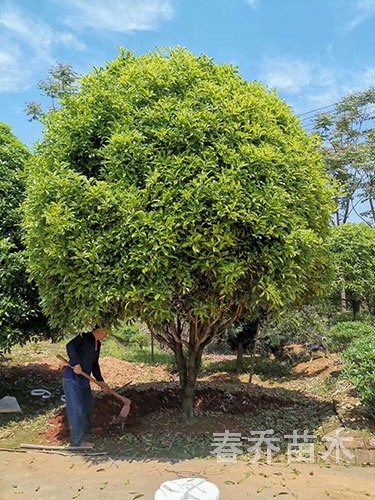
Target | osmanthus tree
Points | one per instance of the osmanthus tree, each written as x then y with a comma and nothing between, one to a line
20,314
353,251
170,190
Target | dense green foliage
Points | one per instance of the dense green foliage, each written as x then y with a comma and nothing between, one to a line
360,368
170,190
20,315
347,316
242,331
343,334
168,183
353,250
299,326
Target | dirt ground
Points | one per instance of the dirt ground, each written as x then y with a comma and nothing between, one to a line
53,477
299,399
165,399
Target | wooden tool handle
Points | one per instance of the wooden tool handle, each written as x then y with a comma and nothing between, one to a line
66,362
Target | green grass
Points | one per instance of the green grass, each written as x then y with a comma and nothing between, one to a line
113,347
265,368
34,351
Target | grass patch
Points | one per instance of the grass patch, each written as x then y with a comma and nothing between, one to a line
113,347
264,368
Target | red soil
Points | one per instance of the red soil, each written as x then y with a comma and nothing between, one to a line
105,420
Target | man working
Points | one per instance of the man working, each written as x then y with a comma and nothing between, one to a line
83,352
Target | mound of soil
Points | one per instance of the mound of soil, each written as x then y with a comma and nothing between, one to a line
156,400
319,366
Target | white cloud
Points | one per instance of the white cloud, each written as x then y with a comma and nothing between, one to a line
286,75
70,41
12,73
253,3
119,15
28,46
364,9
309,85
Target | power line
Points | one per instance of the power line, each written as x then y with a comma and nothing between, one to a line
310,125
318,109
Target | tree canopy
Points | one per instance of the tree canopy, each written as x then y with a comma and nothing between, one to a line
170,190
353,251
20,315
348,149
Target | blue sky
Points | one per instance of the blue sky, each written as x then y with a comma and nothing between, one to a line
312,51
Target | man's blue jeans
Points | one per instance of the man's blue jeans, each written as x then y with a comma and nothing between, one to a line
79,403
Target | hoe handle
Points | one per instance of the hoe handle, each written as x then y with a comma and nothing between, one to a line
66,363
89,377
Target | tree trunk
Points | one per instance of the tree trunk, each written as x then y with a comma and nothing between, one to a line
343,298
152,350
253,358
356,308
187,400
346,214
187,339
192,370
372,209
239,357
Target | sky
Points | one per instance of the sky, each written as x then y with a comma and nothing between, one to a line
313,52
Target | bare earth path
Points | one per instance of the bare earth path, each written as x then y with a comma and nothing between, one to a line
56,477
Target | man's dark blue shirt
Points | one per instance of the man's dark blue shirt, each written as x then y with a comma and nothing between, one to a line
81,351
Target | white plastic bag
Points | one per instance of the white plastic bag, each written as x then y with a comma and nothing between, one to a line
188,489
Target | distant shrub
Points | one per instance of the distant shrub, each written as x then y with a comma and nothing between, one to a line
308,324
346,317
343,334
139,340
360,369
124,332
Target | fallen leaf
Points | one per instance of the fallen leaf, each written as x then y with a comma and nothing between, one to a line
140,495
296,472
103,485
100,470
76,496
37,488
259,490
229,483
247,474
126,482
281,493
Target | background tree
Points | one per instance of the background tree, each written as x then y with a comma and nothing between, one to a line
241,337
347,133
353,249
20,314
60,83
170,190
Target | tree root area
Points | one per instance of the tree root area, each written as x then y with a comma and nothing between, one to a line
164,400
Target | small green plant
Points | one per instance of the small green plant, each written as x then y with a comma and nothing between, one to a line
360,369
342,335
139,340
